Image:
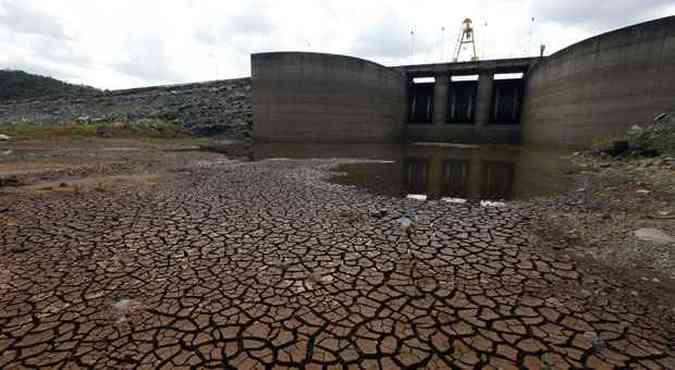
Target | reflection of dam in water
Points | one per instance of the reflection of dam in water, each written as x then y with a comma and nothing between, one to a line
459,173
458,178
471,172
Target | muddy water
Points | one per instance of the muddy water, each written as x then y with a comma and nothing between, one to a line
437,171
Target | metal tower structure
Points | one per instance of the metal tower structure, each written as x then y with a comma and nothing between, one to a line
466,37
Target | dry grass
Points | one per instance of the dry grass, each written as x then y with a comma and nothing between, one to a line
143,128
26,131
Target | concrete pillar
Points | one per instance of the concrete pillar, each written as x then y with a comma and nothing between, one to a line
484,97
441,100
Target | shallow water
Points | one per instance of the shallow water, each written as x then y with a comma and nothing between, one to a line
438,170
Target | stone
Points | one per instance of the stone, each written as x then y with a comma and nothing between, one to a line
661,117
104,132
420,197
378,213
619,147
4,137
454,200
653,235
663,215
489,203
643,191
11,180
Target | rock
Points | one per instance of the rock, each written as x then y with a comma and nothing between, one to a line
663,215
454,200
10,181
379,213
104,132
4,137
653,235
19,249
619,147
649,153
489,203
643,191
661,117
420,197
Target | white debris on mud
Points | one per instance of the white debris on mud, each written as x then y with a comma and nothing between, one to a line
454,200
653,235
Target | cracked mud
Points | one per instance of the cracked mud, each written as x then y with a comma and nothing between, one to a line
266,265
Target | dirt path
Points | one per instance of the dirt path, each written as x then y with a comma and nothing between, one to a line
265,265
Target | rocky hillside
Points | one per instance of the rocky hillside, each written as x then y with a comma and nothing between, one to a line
208,108
22,85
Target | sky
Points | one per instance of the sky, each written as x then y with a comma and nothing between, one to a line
114,44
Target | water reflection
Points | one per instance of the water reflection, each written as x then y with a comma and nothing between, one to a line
443,176
470,172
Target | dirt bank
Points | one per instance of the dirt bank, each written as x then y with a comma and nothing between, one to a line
596,223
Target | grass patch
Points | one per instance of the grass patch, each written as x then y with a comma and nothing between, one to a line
142,128
605,141
26,131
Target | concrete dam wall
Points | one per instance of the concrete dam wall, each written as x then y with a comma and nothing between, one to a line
208,107
601,86
311,97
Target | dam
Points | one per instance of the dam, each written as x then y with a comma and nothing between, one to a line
566,99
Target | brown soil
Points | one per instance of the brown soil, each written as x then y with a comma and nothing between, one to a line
133,254
595,223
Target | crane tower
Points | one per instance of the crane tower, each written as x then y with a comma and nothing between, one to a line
466,37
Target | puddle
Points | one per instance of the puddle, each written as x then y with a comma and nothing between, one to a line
431,171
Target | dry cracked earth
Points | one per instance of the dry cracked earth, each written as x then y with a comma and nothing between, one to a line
265,265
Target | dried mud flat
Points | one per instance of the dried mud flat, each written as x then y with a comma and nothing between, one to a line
217,263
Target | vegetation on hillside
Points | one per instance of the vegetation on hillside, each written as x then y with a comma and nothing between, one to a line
21,85
145,128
